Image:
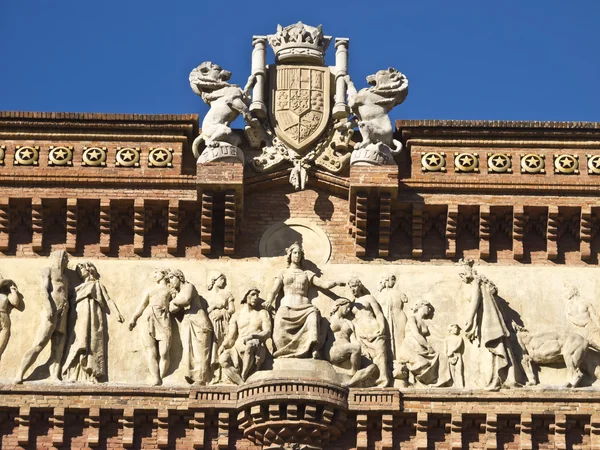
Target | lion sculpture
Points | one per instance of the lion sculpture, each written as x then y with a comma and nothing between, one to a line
371,106
553,347
227,101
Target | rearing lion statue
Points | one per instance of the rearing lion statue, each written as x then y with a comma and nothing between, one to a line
227,101
372,105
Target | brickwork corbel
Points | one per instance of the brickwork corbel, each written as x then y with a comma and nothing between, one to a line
484,231
519,220
4,224
230,222
173,226
456,427
139,225
206,223
491,430
105,225
560,431
552,232
223,424
128,423
58,430
93,427
451,226
595,431
71,244
387,431
198,424
37,228
23,422
526,430
362,439
421,431
162,425
417,230
385,223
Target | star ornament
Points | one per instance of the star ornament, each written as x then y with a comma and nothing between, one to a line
594,164
465,162
60,154
94,154
27,156
566,164
499,163
532,163
433,162
160,157
127,155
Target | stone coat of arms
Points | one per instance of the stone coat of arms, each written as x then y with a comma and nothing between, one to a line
299,112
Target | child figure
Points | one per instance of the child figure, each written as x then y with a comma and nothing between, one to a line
454,351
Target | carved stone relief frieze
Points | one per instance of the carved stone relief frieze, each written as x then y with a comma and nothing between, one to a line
453,328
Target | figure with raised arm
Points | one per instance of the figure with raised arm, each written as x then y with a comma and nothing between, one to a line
243,350
297,332
54,310
156,334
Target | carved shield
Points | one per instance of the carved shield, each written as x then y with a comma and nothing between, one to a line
300,103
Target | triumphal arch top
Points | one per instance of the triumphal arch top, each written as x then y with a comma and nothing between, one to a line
322,278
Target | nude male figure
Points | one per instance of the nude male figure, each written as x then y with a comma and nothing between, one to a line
54,309
157,337
243,349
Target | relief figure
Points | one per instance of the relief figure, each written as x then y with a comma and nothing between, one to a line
392,303
297,329
220,309
10,298
243,351
195,328
86,355
553,347
156,334
454,352
416,352
582,316
54,310
485,323
345,352
369,322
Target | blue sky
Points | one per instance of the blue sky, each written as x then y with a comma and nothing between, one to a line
488,60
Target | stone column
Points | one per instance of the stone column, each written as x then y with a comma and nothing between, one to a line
340,109
259,64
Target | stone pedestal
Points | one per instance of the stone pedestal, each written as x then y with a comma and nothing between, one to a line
292,413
